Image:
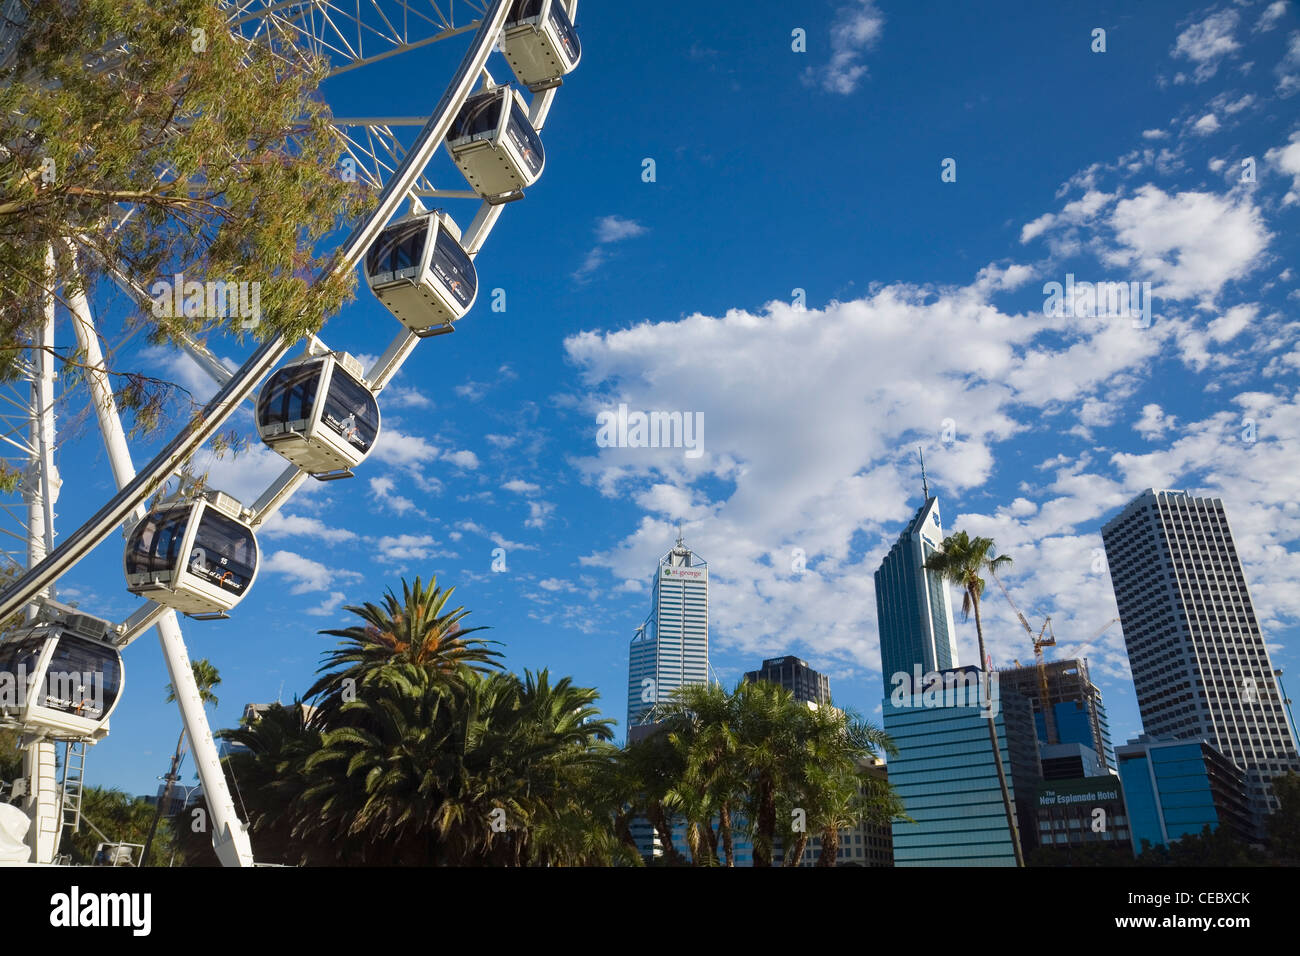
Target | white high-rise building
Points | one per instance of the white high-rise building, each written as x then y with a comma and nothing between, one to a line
1200,665
671,649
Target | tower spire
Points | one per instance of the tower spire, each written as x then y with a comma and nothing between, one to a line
680,542
925,485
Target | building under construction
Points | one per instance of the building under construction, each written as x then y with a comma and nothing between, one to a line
1075,718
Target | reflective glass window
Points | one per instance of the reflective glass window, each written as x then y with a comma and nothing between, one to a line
480,116
564,30
398,248
452,266
525,138
18,659
290,395
350,410
84,677
224,552
156,542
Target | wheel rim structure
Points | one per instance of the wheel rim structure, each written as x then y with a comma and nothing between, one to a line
392,155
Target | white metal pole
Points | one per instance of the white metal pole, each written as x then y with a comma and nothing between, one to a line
229,833
40,488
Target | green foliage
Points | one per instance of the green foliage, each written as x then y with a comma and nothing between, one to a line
1284,823
758,751
143,133
414,756
11,759
120,818
1214,847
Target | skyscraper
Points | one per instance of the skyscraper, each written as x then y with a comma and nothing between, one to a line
913,611
795,676
1199,662
671,649
1078,715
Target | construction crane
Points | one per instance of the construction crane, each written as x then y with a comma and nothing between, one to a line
1039,642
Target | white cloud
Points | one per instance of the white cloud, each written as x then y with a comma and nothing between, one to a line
521,487
395,396
383,491
616,229
327,607
498,539
1207,42
397,448
609,230
1206,125
462,459
306,574
539,512
1272,13
1288,70
789,466
855,31
1154,134
1154,422
1191,243
1286,160
395,549
281,524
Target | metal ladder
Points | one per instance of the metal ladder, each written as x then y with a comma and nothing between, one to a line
74,773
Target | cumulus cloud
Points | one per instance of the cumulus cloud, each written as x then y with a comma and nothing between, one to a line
1206,43
521,487
306,574
1154,422
1190,243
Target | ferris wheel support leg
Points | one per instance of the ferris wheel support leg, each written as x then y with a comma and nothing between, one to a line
41,483
229,835
42,803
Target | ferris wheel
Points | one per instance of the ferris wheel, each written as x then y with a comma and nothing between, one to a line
194,551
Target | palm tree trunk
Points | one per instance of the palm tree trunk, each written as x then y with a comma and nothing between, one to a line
830,847
724,825
993,738
796,851
765,825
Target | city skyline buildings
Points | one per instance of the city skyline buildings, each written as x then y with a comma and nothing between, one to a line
1200,666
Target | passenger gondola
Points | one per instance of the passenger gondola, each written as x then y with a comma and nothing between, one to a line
418,269
495,145
60,675
319,413
540,43
195,555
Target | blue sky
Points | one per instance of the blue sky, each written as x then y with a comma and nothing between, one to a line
819,171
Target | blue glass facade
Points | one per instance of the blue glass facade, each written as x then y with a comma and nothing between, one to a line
947,779
1173,788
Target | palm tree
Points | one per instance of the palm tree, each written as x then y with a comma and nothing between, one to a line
768,720
206,676
267,765
414,631
700,722
961,560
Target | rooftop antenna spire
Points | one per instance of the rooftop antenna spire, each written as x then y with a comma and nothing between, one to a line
925,485
680,542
